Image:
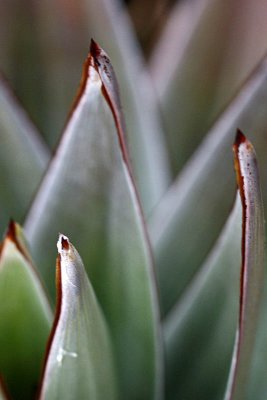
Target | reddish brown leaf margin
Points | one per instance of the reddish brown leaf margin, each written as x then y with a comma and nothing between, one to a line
252,267
56,317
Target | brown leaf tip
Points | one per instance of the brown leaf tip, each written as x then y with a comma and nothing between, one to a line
11,231
240,138
95,49
63,243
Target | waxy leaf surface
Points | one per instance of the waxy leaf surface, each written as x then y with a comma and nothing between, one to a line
252,269
62,47
199,332
25,319
23,158
79,362
89,194
194,210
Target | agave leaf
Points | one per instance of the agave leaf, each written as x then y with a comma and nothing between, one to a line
252,276
88,193
23,158
199,332
145,136
194,210
62,57
195,75
79,363
25,319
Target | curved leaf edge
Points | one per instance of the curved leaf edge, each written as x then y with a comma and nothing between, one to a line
252,265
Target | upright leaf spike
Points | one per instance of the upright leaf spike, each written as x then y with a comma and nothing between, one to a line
89,192
79,361
252,268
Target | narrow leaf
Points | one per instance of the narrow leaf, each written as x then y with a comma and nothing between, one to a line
89,193
196,207
25,319
80,361
199,332
23,158
252,270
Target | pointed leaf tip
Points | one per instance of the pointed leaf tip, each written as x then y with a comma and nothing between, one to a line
95,49
63,243
252,266
11,230
240,138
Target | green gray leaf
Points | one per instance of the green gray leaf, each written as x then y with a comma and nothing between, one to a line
252,270
79,363
88,193
199,332
23,158
194,210
195,75
25,319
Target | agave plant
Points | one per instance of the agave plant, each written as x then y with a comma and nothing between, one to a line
164,296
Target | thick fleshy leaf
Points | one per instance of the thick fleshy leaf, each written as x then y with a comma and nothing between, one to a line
88,193
199,332
25,319
23,158
195,74
62,48
146,139
79,362
252,271
193,212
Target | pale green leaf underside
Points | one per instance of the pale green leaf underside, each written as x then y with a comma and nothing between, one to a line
23,159
88,194
199,332
25,322
80,361
194,210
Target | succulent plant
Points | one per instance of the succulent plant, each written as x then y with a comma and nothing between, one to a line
164,297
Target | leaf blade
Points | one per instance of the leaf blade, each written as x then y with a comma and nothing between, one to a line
25,319
94,199
20,142
252,271
199,198
79,361
199,331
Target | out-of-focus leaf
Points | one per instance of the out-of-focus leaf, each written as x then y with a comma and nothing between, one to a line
79,363
3,393
21,58
25,319
252,270
88,193
188,220
201,59
23,159
199,332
